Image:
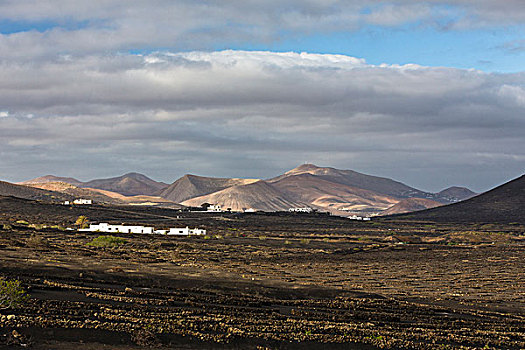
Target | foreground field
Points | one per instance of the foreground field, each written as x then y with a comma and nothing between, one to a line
270,282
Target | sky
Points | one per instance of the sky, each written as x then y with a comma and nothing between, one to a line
429,93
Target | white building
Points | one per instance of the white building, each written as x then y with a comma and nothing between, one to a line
355,217
214,208
105,227
82,201
301,210
186,231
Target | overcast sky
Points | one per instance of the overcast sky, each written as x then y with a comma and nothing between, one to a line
430,93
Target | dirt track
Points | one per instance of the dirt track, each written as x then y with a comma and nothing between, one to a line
273,286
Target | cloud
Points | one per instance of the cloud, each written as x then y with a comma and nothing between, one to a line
97,27
256,113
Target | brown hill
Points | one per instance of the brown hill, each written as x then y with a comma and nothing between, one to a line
333,196
411,204
77,192
503,204
139,199
352,178
131,184
51,178
103,196
191,186
259,195
25,192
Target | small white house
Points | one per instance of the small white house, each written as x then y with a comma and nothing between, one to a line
249,210
81,201
301,210
186,231
214,208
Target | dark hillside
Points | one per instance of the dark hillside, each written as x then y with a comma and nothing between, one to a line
20,191
503,204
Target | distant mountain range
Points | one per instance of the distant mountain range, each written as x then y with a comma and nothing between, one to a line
341,192
132,184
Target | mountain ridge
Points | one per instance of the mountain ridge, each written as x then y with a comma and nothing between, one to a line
341,192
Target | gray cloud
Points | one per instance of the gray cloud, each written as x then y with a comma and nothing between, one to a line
237,113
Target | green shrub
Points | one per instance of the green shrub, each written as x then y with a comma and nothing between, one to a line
22,222
7,227
106,241
82,222
11,294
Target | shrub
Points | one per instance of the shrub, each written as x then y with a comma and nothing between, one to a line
82,222
106,241
7,227
11,294
22,222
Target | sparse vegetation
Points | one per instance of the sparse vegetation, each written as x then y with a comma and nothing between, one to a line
106,241
37,226
36,241
22,222
82,222
11,294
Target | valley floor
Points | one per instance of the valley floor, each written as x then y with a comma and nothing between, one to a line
258,283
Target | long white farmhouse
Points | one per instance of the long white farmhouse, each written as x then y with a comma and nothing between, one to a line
105,227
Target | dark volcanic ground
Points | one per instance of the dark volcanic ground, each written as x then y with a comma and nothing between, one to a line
263,281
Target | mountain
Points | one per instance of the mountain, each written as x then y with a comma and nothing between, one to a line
76,192
411,204
258,195
104,197
191,186
323,194
352,178
25,192
131,184
51,178
341,192
455,194
138,199
503,204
